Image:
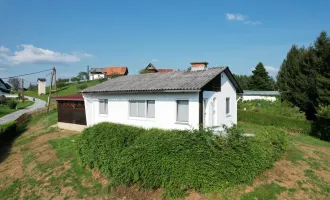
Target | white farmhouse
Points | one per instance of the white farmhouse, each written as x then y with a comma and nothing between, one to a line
174,100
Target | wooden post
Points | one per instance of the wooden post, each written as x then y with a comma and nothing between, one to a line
23,90
50,89
54,72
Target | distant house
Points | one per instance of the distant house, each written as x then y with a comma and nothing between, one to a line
261,95
120,70
205,97
41,86
96,73
4,89
71,112
100,73
152,69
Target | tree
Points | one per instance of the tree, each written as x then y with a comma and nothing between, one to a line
243,81
304,77
61,82
75,79
260,80
82,76
32,87
15,83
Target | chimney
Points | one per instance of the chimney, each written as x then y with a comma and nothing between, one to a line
196,66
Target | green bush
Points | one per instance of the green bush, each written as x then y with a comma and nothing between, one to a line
290,124
272,108
82,86
100,145
179,160
12,103
321,125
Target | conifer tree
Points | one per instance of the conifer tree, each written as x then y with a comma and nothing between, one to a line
260,79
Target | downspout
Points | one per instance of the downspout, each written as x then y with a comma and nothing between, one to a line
201,113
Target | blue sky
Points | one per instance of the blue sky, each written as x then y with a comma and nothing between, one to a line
36,35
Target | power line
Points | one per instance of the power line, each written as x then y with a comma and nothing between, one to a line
27,74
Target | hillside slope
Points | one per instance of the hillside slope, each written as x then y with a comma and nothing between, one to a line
68,89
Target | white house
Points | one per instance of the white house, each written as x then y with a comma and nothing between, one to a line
96,73
41,86
173,100
260,95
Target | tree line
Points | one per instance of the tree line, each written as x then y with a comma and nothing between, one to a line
304,80
259,80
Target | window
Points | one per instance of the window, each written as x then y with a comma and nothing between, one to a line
103,106
227,106
151,109
182,111
142,108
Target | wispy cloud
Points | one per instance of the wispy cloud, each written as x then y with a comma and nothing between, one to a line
28,53
271,69
3,69
240,17
252,22
235,17
154,60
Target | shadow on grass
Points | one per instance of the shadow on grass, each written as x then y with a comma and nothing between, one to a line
8,137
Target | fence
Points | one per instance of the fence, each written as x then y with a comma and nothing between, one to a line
37,112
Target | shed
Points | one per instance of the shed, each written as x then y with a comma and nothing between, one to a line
71,112
260,95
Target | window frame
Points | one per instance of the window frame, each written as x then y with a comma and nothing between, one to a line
107,110
145,102
229,106
177,112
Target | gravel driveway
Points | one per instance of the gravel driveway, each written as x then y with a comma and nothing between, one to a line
13,116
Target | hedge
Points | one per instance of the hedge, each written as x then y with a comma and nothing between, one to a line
294,125
179,160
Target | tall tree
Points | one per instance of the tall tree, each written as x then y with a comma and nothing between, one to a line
243,81
304,77
15,83
322,51
260,80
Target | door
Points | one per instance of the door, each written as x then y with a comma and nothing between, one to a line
212,113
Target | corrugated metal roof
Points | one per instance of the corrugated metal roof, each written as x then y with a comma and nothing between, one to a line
177,80
261,93
75,97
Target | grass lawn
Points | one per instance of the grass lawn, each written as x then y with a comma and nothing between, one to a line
43,163
5,110
68,89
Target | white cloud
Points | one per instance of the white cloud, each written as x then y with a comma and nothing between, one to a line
235,17
242,18
3,69
154,60
252,22
31,54
271,69
3,49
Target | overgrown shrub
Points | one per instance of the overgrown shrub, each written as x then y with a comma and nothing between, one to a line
321,125
81,86
100,145
179,160
290,124
12,103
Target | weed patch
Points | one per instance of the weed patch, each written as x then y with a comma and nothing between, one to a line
265,192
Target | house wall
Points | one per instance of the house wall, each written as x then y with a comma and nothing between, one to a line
256,97
96,76
165,109
220,116
41,87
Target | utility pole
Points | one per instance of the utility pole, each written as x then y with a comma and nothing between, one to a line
53,76
23,90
